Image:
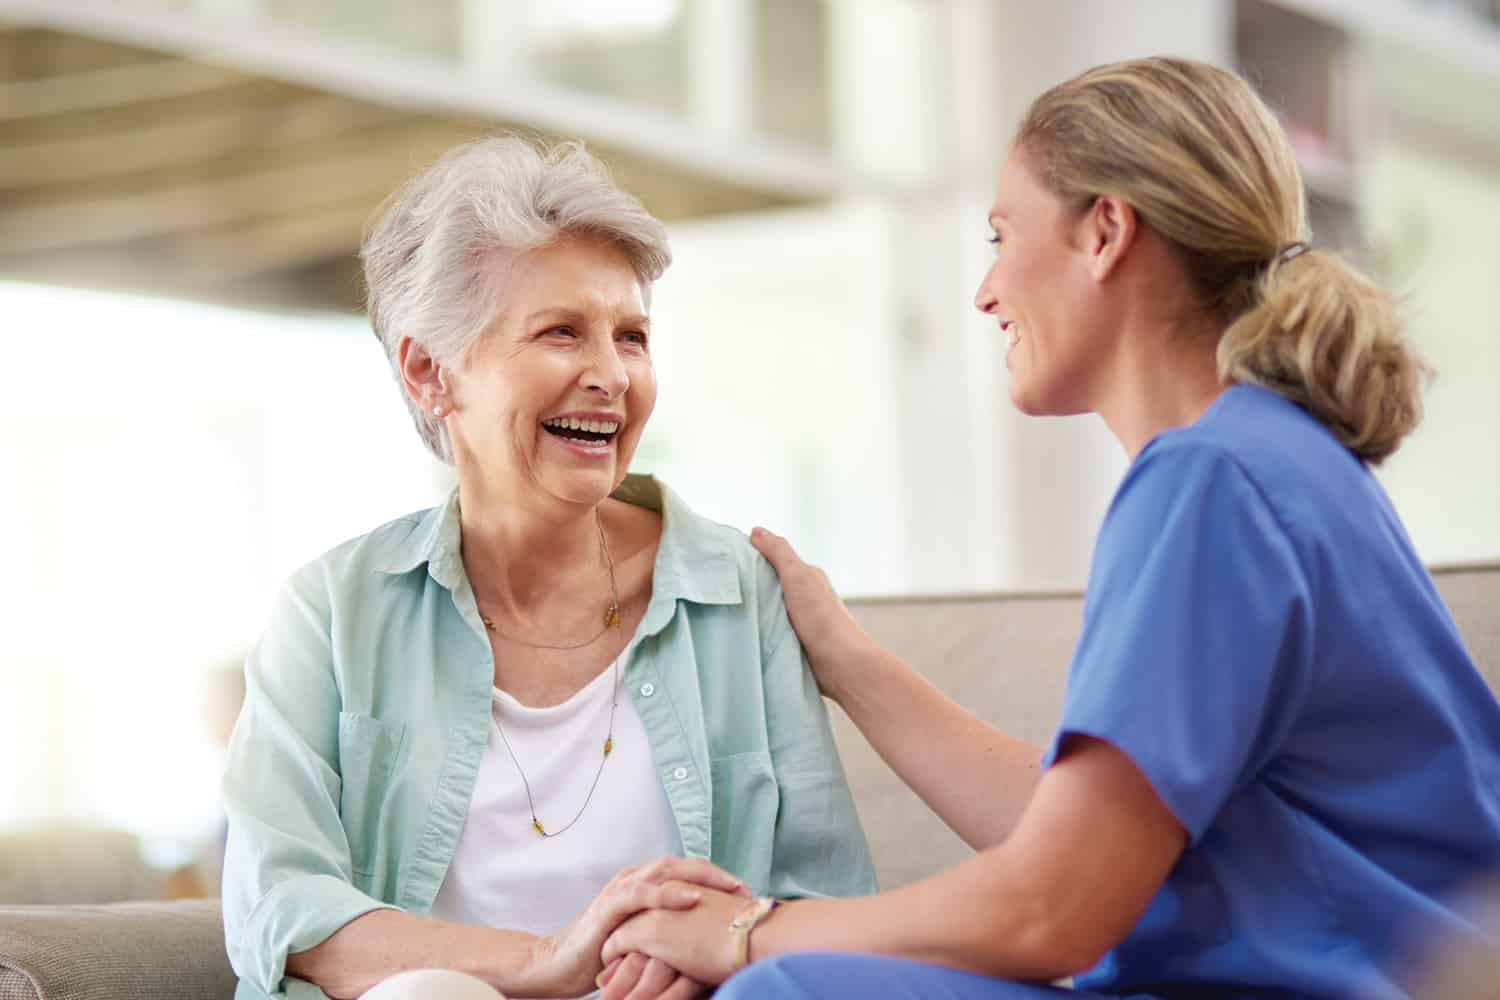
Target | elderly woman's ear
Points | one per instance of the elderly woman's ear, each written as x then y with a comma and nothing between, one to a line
423,377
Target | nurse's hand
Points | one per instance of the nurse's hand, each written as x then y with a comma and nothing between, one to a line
836,646
567,963
695,942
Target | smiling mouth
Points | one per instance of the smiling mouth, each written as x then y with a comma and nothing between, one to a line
588,432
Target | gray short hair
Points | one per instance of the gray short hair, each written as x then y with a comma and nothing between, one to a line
424,257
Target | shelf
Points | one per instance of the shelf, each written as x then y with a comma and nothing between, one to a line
1461,39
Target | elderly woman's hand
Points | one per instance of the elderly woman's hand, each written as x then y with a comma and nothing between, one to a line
835,644
639,977
567,963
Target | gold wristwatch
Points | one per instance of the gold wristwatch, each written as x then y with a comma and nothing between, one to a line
746,921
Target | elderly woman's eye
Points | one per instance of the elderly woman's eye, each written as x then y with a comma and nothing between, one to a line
559,331
634,337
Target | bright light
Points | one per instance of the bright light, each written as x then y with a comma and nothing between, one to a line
167,465
562,19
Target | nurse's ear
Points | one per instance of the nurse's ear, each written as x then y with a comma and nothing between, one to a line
1108,230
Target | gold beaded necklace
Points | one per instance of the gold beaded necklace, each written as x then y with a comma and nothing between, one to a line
609,745
611,620
611,613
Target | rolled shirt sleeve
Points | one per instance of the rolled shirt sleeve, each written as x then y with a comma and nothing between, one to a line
819,847
287,871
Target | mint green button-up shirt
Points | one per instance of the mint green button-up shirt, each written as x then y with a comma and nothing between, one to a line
368,706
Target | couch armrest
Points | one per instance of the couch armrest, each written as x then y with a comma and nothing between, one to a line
129,951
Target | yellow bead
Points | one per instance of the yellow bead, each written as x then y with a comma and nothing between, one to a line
609,744
538,825
612,617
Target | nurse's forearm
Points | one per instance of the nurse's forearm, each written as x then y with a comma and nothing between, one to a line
381,943
951,923
1047,903
977,778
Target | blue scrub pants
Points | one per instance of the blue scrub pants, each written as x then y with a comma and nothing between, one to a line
816,975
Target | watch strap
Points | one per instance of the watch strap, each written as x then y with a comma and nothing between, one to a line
746,921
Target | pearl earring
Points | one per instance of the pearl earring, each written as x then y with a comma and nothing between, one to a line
437,411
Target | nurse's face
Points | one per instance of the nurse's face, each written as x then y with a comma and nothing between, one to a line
1042,291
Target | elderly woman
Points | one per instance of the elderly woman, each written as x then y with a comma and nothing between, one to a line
1276,763
479,737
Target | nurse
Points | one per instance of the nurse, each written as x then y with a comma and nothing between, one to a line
1276,764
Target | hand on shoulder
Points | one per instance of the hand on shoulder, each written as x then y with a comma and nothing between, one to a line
835,644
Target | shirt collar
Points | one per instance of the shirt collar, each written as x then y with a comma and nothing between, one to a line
694,561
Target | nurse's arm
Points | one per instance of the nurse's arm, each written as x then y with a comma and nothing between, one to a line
1092,849
975,777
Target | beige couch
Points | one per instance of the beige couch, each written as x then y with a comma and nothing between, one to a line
1003,655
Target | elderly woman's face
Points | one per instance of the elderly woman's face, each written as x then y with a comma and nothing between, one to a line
560,386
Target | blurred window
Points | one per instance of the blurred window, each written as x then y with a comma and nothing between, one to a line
633,51
427,29
790,72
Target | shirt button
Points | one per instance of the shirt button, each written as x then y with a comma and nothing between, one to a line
648,689
680,773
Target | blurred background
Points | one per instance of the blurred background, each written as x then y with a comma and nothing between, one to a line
196,405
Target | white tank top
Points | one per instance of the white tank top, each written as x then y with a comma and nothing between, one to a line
504,874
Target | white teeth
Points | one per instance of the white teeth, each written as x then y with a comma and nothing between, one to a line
1012,335
576,424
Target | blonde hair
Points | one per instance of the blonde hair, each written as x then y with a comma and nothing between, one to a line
425,257
1205,164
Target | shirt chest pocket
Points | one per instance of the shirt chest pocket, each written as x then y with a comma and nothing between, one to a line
369,751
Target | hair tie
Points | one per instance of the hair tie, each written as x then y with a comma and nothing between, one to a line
1291,252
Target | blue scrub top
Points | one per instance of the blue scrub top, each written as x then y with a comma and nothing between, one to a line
1261,639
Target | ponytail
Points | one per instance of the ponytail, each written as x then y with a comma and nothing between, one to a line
1325,337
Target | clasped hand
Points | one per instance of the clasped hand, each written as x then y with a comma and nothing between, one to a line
693,942
596,948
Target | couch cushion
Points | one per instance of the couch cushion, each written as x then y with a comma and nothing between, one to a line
118,951
74,864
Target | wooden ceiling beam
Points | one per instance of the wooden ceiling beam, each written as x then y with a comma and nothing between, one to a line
265,245
202,137
263,193
93,90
